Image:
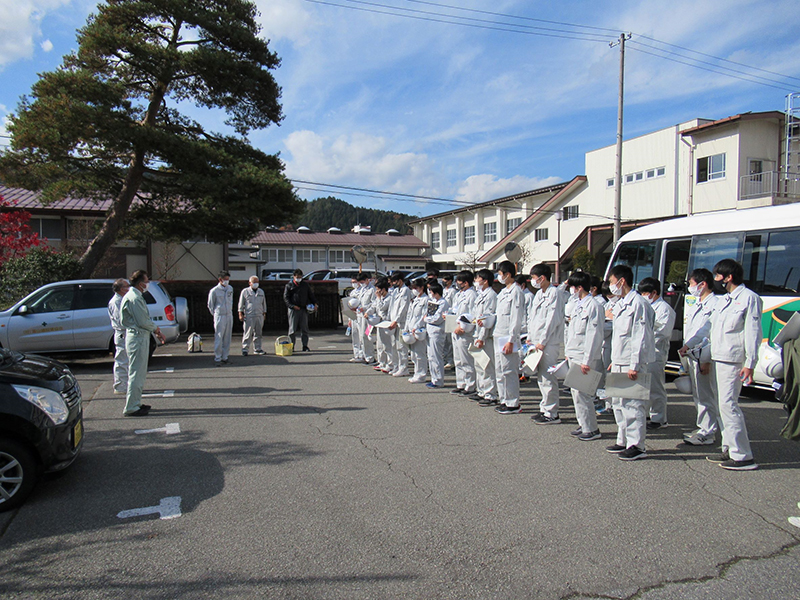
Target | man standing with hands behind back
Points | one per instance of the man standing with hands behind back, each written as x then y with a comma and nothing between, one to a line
252,310
138,327
220,304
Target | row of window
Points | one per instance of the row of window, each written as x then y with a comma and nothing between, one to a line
281,255
709,168
639,176
490,231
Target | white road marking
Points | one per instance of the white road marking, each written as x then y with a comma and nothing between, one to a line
328,347
169,429
795,521
168,508
164,394
164,355
167,370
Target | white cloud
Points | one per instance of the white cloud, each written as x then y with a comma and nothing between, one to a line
480,188
284,19
47,45
19,27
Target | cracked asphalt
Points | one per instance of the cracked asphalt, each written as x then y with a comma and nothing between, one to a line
312,477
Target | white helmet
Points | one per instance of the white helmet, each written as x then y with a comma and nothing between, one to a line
310,308
408,337
684,384
466,323
421,334
488,320
373,319
772,362
354,303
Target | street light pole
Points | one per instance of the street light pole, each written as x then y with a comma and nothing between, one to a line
559,217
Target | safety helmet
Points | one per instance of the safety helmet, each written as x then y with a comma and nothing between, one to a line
310,308
488,320
354,303
421,334
408,337
684,384
465,321
373,319
772,362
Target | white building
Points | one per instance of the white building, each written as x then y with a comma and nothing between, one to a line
697,166
313,250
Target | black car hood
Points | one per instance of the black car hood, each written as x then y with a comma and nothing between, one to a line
36,368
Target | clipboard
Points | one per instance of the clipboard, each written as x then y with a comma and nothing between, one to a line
480,356
586,384
450,322
619,386
532,359
499,342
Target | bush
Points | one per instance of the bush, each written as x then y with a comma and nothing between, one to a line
22,275
583,259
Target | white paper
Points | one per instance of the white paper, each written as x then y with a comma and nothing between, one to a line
384,325
450,322
619,386
499,342
481,357
586,384
532,360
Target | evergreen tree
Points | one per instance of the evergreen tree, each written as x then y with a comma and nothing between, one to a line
323,213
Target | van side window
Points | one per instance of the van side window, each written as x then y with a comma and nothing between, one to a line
53,300
640,257
782,270
94,296
708,250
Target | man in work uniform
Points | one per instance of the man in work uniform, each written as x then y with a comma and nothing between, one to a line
252,310
449,293
462,339
398,311
735,339
507,333
220,304
485,305
138,328
120,287
298,295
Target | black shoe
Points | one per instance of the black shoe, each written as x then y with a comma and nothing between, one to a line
244,352
225,361
142,412
466,393
145,406
545,420
456,391
576,432
718,458
475,396
488,402
615,449
589,436
508,410
739,465
632,453
306,349
653,425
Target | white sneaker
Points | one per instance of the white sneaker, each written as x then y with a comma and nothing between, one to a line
357,360
401,373
698,439
415,380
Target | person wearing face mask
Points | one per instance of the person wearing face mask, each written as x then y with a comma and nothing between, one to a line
508,328
632,350
449,293
382,306
220,305
583,347
650,288
297,295
367,297
700,306
434,325
522,281
252,311
355,337
485,306
735,339
414,322
545,333
120,287
398,311
461,338
135,318
599,293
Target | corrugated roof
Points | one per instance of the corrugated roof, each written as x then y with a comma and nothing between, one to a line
27,200
772,114
323,238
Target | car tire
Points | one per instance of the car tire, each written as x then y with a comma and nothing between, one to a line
18,474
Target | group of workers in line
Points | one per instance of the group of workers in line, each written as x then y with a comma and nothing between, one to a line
603,328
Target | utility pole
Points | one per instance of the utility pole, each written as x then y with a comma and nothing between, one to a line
618,172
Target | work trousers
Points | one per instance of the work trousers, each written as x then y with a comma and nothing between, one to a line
253,324
367,345
355,336
507,371
704,394
400,350
449,350
386,350
223,326
419,356
137,346
436,338
658,392
548,382
731,419
584,409
630,415
120,362
486,379
465,364
298,321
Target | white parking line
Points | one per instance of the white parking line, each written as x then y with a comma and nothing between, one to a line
169,429
328,347
168,508
164,394
167,370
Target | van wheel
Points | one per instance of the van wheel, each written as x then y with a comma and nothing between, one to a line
18,474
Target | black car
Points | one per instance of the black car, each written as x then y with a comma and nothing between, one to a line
41,422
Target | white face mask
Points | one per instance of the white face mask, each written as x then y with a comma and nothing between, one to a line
415,292
536,285
224,283
501,278
694,290
615,289
254,285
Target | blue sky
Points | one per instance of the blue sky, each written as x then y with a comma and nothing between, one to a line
428,108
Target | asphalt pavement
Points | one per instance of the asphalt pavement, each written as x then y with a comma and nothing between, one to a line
312,477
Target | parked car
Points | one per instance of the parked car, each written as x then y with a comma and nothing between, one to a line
72,316
41,422
277,276
343,276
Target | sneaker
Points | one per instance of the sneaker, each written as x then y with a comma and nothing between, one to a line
695,432
632,453
698,439
739,465
225,361
433,386
402,373
476,396
602,411
653,425
524,379
576,432
415,380
356,360
449,366
589,436
217,363
259,353
456,391
142,412
488,402
377,368
615,449
467,393
545,420
508,410
718,458
244,352
371,363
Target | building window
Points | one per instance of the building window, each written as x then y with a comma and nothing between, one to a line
570,212
451,238
710,167
512,224
46,228
435,239
469,235
489,232
610,182
653,173
318,256
304,256
540,235
336,257
660,171
275,255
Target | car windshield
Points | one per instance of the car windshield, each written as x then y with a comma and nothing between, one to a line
9,357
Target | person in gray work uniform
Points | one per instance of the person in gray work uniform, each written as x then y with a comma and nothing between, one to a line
735,339
120,287
252,311
220,304
507,334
